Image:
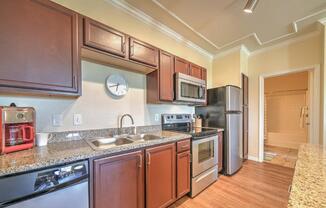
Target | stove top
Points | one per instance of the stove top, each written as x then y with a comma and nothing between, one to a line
196,132
182,123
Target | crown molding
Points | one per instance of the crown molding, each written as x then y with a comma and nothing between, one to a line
254,35
286,42
146,19
232,50
185,24
322,21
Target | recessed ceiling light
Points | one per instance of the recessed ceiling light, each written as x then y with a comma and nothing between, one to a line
250,6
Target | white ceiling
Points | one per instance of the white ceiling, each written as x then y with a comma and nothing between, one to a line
218,25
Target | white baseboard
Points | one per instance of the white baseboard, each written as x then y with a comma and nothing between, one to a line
253,158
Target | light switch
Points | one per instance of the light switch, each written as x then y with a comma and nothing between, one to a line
57,120
78,119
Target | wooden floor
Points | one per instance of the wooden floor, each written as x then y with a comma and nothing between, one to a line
256,185
280,156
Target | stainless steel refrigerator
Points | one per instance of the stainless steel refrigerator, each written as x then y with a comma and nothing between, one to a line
224,110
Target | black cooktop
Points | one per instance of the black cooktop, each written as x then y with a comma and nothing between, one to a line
197,132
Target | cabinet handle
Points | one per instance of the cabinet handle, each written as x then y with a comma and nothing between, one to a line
148,158
140,161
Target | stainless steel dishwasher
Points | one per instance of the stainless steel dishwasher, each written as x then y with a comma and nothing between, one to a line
63,186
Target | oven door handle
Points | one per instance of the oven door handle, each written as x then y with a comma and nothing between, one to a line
205,175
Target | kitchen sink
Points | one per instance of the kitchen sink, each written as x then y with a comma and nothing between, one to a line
104,143
143,137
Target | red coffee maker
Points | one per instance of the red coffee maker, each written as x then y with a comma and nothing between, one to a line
17,130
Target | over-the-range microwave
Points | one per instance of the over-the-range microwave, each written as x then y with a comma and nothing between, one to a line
189,89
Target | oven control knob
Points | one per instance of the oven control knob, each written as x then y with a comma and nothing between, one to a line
20,115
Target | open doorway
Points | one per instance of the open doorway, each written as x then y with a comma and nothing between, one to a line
286,121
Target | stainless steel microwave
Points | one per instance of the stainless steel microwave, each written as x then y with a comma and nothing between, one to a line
189,89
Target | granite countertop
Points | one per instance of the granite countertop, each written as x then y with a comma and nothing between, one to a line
309,180
69,151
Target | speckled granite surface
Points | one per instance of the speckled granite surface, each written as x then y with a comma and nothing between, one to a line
309,180
77,135
69,151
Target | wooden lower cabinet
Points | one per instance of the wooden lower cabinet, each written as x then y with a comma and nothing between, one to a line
183,173
160,176
118,181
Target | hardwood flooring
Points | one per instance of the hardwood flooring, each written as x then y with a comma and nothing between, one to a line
256,185
280,156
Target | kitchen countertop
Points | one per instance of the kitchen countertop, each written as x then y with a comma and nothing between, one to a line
309,180
70,151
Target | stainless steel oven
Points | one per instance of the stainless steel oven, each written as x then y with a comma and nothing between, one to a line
189,89
204,163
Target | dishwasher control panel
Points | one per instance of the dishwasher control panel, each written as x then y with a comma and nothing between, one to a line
48,179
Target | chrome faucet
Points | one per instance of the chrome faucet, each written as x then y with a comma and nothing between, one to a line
132,122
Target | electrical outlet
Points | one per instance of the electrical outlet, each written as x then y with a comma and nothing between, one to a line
157,117
57,120
78,119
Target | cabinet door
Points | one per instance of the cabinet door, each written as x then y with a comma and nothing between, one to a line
220,151
119,181
195,71
204,74
104,38
245,91
181,65
39,47
166,76
183,173
160,176
143,53
245,132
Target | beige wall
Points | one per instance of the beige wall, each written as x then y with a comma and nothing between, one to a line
289,82
227,68
285,96
304,53
116,18
98,108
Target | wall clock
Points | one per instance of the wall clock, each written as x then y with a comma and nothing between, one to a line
117,85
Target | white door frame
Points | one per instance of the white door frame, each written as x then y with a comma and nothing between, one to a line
314,101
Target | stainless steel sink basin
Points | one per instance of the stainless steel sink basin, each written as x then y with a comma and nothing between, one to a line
104,143
143,137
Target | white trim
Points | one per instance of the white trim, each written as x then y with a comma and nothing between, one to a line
294,25
253,158
287,42
315,110
227,52
234,49
133,11
184,23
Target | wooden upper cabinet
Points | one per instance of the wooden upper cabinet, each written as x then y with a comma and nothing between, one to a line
183,173
39,48
142,52
203,74
195,71
160,176
104,38
166,76
181,65
118,181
